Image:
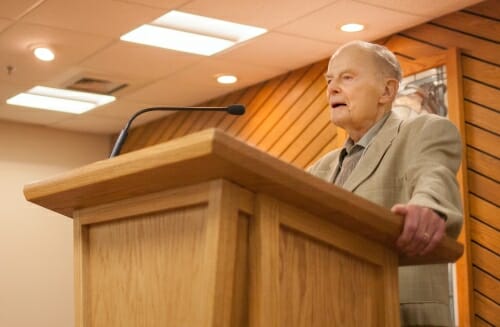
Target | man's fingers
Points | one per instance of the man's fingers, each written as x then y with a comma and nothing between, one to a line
400,209
436,238
410,226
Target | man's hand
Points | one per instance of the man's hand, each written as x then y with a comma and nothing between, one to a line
423,229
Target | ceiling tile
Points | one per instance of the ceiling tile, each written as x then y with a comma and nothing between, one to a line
90,124
13,9
70,48
324,24
120,108
428,8
4,23
135,61
171,4
101,17
197,83
261,13
279,50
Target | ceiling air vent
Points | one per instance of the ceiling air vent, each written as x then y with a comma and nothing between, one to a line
95,85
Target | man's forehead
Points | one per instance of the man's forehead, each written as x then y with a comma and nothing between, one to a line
349,57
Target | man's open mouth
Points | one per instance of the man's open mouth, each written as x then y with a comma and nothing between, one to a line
336,105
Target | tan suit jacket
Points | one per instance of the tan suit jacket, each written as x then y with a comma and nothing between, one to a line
411,161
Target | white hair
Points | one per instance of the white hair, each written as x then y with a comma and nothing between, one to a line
389,64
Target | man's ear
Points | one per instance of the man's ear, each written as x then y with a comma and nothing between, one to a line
390,91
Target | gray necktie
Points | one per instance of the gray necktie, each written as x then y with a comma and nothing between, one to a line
348,163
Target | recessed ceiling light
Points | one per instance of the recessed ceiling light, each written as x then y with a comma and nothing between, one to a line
48,98
227,79
190,33
44,54
352,27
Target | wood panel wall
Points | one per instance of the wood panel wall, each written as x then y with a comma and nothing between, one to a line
287,116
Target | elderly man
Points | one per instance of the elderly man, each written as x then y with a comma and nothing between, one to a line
407,165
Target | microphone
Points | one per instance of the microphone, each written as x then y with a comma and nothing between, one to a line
234,109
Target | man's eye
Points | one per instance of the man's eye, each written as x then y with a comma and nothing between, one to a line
347,77
328,81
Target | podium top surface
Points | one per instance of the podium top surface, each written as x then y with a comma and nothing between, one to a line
212,154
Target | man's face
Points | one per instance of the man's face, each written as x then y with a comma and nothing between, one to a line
355,87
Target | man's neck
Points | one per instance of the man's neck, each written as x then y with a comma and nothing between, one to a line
371,131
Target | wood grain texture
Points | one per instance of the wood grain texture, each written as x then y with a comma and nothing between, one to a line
470,24
485,235
484,211
481,71
484,164
489,8
148,271
446,38
487,285
482,117
150,203
463,266
482,140
320,286
264,259
486,260
482,94
487,309
176,163
484,187
80,263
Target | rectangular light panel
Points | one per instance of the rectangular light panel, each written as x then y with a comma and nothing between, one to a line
76,102
190,33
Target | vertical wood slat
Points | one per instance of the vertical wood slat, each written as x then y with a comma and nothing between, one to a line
80,239
264,254
456,115
223,231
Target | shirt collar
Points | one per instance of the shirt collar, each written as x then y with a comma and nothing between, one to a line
366,140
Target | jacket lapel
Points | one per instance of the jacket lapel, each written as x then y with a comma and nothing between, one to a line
374,153
333,168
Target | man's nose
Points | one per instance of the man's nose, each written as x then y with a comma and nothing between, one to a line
332,88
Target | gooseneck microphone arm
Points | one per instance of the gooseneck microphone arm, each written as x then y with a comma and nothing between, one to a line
235,109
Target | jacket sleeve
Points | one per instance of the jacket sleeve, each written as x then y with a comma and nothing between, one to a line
431,177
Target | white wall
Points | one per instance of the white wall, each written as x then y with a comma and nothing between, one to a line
36,245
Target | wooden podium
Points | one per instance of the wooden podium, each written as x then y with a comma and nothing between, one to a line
207,231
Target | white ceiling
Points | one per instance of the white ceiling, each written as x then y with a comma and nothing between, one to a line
85,36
